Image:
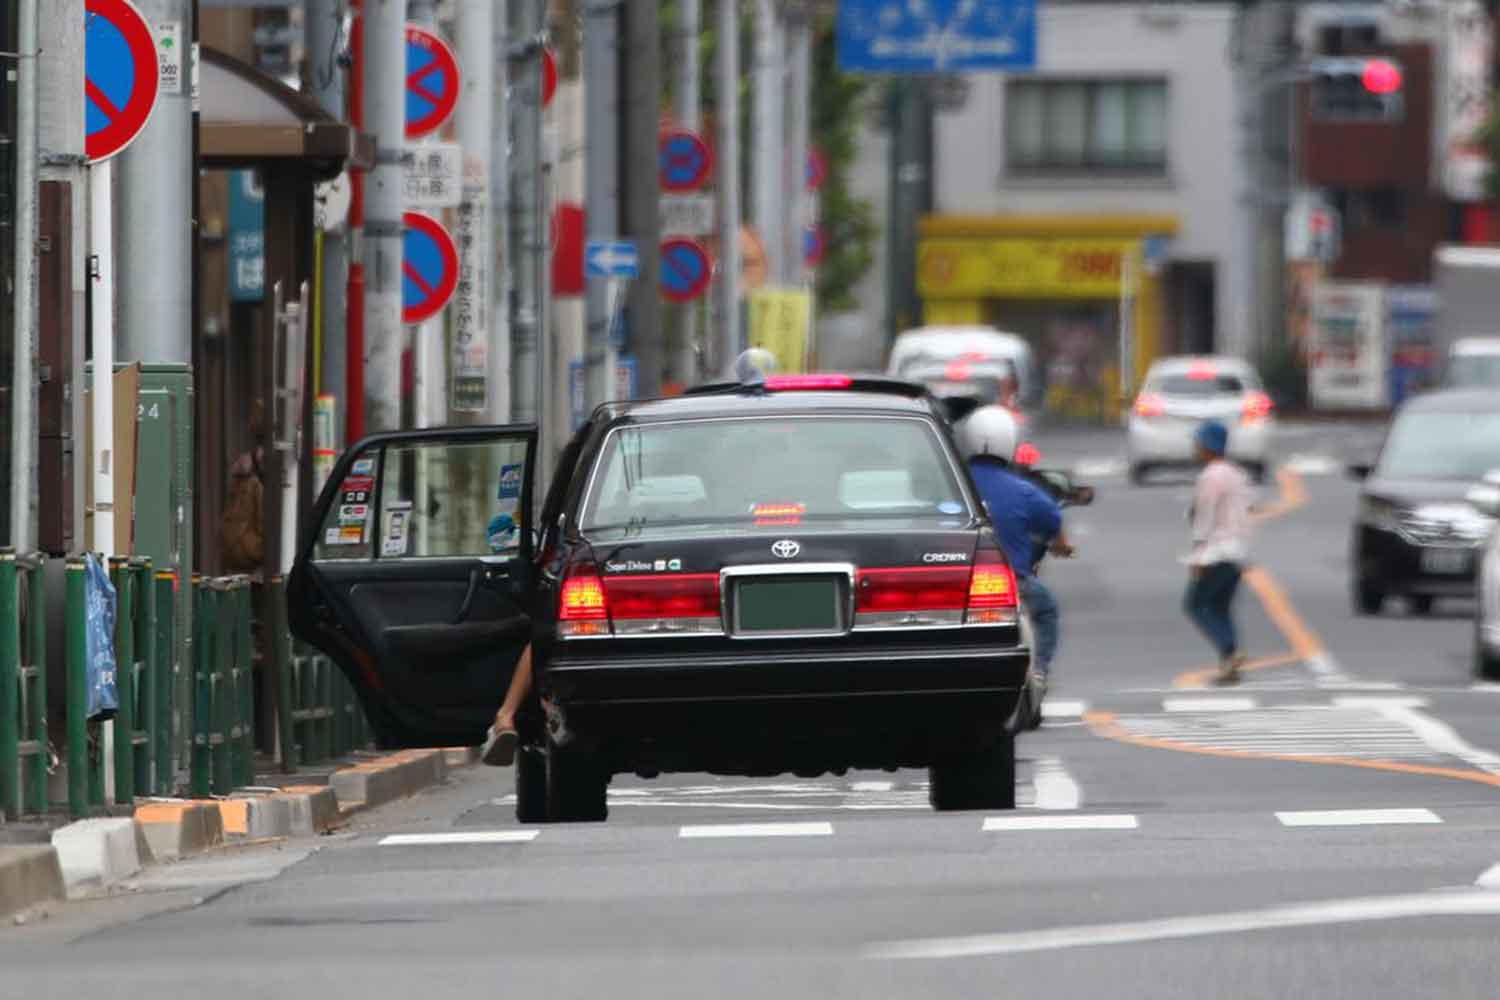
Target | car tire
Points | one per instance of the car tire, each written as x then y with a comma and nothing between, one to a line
531,785
577,787
981,779
1420,604
1138,472
1368,600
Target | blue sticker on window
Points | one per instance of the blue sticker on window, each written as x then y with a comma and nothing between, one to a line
950,507
510,482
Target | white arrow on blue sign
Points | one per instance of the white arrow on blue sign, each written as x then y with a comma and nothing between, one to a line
611,259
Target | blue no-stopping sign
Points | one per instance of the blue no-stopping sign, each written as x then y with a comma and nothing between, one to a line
685,161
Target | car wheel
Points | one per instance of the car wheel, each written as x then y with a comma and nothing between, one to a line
1138,474
1368,600
981,779
577,787
1421,604
531,785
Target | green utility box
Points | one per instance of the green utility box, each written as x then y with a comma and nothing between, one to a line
164,517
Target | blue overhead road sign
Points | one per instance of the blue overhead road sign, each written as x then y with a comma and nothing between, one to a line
936,36
611,259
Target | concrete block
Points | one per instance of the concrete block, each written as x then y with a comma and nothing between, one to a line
256,818
100,852
29,875
311,809
178,829
456,757
374,783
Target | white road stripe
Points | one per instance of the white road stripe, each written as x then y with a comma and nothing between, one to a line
756,830
1441,737
477,837
1064,708
1016,824
1490,879
872,786
1358,817
1377,701
1208,704
1055,787
1338,911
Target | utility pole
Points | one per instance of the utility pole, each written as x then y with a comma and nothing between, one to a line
601,75
469,359
726,345
428,359
499,263
769,153
799,56
384,89
642,88
23,468
689,116
326,21
526,357
911,195
156,235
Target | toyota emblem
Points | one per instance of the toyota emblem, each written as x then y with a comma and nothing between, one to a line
785,549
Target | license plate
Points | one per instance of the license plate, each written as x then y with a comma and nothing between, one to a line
788,604
1445,562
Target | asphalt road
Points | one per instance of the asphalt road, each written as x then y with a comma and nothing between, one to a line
1322,831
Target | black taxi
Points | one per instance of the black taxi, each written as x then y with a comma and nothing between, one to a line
788,576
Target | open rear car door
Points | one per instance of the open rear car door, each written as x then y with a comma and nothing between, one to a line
416,576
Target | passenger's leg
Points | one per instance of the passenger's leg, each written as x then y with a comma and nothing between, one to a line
500,747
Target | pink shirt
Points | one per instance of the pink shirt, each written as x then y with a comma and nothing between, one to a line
1220,515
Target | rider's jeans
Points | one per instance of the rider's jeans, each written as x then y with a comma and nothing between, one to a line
1043,610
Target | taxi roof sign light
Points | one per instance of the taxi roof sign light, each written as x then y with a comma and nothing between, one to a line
807,383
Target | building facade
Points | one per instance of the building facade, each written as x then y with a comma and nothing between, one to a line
1092,205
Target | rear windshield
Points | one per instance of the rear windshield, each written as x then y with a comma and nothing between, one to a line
1474,371
772,469
1198,384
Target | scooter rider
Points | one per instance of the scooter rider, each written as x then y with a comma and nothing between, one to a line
1028,523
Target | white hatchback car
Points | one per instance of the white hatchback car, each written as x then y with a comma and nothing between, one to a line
1179,394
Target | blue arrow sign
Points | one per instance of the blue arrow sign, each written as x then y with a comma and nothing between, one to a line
936,36
611,259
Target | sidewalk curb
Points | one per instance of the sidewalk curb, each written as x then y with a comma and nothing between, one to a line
29,875
182,828
311,809
377,782
98,853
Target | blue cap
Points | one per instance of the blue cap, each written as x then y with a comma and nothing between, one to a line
1212,436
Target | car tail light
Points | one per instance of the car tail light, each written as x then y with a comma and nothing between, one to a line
807,383
957,371
910,596
1148,404
992,597
1202,372
660,604
582,608
1258,406
772,515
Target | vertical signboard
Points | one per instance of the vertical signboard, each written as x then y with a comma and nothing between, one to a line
1464,99
780,319
471,338
247,237
1347,360
1410,316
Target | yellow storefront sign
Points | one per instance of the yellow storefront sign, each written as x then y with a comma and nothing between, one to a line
1065,268
780,319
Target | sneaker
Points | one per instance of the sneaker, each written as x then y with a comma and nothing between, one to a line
1038,693
1229,670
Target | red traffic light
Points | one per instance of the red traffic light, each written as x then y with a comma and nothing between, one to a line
1381,76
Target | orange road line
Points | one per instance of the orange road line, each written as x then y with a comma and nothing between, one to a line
1201,677
1106,725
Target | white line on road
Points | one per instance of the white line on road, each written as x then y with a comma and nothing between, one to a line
1055,787
1016,824
476,837
1208,704
872,786
756,830
1338,911
1379,701
1064,708
1358,817
1100,468
1490,879
1441,737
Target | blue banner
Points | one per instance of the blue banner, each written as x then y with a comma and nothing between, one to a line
247,237
936,36
99,617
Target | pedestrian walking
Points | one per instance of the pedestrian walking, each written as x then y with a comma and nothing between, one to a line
1220,519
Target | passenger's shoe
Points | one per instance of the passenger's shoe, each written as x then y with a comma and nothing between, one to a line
1229,670
1037,694
500,748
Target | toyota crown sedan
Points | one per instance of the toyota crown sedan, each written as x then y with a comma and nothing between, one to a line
788,576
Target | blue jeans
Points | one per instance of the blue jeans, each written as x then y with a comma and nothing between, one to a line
1207,602
1042,607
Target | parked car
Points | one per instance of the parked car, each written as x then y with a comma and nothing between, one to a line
1178,394
1416,534
917,354
792,575
1485,498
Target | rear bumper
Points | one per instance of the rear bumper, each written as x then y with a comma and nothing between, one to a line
1169,441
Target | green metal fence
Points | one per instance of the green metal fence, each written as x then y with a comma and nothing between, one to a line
223,687
327,720
84,754
24,754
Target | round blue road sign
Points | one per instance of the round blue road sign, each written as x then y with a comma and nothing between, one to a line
686,269
684,160
121,74
432,80
429,268
814,246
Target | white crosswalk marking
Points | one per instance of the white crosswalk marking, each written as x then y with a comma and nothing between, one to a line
1300,731
1358,817
449,839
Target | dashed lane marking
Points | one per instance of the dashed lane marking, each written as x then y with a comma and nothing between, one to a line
1358,817
1100,468
1313,465
1199,704
1055,788
1064,708
734,830
474,837
1014,824
1490,879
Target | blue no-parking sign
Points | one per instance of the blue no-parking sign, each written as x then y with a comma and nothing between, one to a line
429,268
121,76
432,81
938,36
684,161
686,269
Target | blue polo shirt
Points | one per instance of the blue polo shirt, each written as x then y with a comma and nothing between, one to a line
1024,516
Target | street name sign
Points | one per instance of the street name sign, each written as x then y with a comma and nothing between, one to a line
121,76
937,36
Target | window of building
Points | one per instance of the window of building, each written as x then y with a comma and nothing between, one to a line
1377,208
1086,124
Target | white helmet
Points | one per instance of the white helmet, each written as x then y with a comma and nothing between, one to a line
990,430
